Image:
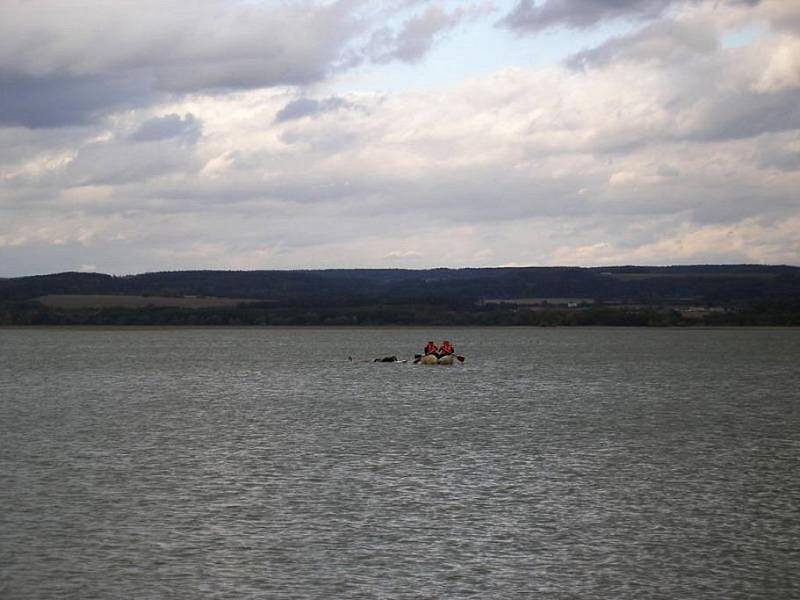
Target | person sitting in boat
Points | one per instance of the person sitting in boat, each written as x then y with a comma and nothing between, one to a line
430,348
445,348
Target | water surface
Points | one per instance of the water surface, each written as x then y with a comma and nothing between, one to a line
253,463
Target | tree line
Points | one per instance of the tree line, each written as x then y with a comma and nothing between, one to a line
654,296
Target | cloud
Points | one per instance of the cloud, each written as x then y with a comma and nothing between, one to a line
182,45
530,17
188,128
416,37
746,241
664,146
62,100
782,15
781,153
662,42
309,107
756,90
737,115
62,66
404,255
160,147
782,71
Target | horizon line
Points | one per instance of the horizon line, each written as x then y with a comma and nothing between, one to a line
323,269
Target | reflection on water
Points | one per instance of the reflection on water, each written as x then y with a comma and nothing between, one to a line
555,463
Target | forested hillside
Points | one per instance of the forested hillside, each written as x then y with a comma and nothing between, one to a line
708,294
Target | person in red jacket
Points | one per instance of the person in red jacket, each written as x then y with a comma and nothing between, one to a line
445,348
430,348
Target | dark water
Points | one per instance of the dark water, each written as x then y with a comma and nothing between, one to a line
253,463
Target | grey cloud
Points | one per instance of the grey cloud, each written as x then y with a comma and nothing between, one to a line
781,158
529,17
737,205
41,102
416,37
668,171
84,66
61,67
215,43
309,107
41,258
118,162
707,117
187,128
19,145
330,143
660,42
744,115
242,73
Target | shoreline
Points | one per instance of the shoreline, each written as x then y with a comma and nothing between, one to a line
403,327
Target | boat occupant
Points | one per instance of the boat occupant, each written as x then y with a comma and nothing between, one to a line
430,348
445,348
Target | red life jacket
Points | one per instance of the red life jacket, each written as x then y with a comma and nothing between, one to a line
430,348
445,348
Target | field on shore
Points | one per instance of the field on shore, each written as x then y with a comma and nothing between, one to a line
74,301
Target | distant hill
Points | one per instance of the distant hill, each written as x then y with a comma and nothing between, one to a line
400,296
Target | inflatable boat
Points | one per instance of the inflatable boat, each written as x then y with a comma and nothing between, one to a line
447,359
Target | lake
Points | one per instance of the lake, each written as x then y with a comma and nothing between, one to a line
262,463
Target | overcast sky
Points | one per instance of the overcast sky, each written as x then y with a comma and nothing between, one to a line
142,135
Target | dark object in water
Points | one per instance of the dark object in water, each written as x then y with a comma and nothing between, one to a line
386,359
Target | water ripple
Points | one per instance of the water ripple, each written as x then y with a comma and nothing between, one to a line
260,463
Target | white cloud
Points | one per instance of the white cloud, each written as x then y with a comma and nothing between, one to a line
748,241
782,71
666,147
404,255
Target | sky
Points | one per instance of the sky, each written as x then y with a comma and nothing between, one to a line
149,135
